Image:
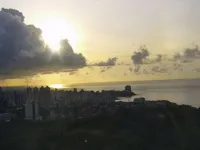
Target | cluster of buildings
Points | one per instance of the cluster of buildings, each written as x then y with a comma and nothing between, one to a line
55,101
12,98
45,103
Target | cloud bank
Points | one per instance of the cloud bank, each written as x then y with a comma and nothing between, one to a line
23,51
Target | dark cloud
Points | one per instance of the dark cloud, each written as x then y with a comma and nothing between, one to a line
142,59
102,70
177,66
137,69
23,52
109,67
15,13
188,55
105,68
159,58
186,61
177,56
90,67
159,69
145,71
131,69
120,63
140,56
72,72
109,62
192,53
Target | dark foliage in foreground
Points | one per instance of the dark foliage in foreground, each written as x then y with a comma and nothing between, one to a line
140,127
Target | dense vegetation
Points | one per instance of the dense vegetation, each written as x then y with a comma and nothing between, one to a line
139,127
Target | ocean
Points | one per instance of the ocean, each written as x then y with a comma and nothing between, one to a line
185,91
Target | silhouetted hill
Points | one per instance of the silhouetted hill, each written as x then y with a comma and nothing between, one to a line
172,127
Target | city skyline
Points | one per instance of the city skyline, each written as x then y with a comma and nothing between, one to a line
144,40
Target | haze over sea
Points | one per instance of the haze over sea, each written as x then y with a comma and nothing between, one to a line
185,91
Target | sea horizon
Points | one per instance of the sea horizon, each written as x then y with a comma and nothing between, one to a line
180,91
74,85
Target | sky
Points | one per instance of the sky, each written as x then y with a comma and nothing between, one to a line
118,41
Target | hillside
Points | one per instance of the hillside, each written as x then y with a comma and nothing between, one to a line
172,127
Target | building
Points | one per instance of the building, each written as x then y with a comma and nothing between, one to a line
29,94
31,105
5,117
128,88
45,99
55,113
35,94
140,100
32,111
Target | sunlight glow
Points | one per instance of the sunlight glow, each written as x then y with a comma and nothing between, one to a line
57,86
54,30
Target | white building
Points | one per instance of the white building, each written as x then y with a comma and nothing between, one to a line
32,111
31,106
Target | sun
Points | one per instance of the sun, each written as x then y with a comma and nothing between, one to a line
54,30
57,86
